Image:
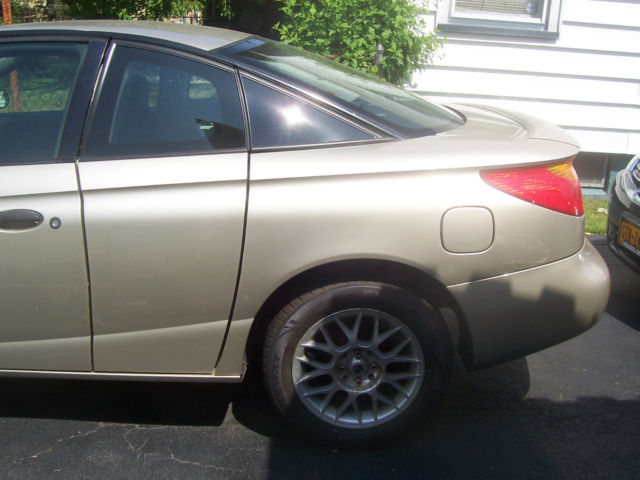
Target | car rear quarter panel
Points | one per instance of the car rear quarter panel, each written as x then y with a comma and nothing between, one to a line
386,201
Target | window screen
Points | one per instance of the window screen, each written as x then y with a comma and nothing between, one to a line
530,8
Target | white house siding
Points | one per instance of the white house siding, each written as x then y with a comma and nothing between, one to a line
587,80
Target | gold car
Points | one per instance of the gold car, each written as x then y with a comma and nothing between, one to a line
177,202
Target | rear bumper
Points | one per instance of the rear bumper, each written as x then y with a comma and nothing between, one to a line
520,313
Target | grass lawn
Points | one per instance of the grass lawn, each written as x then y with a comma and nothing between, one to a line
594,221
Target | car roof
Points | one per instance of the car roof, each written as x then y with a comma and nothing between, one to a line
204,38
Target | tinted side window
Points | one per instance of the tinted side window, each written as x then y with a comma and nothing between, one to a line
154,103
36,82
278,120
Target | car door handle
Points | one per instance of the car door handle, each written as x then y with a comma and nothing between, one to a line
20,219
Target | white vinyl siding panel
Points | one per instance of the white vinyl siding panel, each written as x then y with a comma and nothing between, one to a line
634,143
587,80
581,116
605,141
600,38
483,83
515,57
602,12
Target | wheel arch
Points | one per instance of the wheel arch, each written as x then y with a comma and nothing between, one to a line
401,275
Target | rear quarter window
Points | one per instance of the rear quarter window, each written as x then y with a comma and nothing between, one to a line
279,120
379,102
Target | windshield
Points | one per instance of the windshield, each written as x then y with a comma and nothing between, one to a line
392,107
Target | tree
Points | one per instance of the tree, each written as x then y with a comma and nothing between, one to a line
6,12
349,30
346,30
250,16
127,9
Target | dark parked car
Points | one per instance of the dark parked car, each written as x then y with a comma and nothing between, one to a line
623,228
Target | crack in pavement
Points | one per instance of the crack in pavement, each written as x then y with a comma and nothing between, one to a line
64,440
230,451
205,465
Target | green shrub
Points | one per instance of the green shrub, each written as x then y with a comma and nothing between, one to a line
349,30
595,216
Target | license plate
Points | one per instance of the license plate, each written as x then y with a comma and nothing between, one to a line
629,236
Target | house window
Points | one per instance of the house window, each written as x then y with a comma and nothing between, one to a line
528,18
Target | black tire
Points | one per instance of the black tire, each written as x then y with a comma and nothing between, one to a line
332,341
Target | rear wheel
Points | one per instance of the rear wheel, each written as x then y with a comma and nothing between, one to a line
355,361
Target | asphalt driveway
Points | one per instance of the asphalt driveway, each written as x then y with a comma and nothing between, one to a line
571,411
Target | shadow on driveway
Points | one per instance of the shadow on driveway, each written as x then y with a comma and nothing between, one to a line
117,402
487,428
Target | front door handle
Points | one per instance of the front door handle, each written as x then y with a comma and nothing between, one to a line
20,219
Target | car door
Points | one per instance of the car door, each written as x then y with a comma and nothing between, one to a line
44,319
163,174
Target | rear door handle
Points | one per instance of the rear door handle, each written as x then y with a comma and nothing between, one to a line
20,219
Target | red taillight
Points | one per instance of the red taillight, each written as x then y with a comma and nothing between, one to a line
551,186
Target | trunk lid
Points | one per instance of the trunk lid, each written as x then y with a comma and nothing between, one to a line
488,123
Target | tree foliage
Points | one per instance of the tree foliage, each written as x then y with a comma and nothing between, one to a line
349,30
28,11
346,30
127,9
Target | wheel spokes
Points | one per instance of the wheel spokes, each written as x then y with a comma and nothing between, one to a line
358,368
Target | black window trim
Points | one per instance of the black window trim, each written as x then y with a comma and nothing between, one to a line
81,100
166,49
